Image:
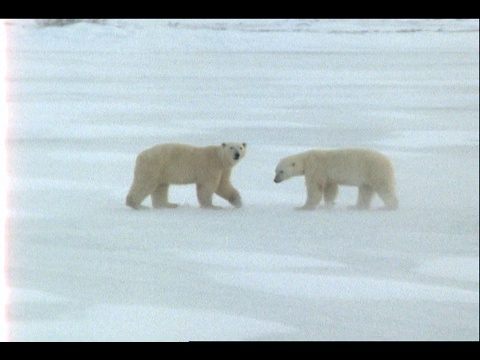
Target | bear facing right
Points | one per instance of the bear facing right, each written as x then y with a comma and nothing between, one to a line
209,167
324,170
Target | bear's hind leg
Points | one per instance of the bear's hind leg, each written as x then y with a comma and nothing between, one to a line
160,197
389,199
365,196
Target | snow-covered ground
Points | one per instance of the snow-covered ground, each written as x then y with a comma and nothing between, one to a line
85,98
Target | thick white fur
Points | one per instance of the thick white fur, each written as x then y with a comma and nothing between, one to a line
324,170
208,167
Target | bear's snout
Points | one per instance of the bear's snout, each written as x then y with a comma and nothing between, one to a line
236,156
279,176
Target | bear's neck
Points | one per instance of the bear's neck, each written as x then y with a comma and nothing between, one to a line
300,162
222,159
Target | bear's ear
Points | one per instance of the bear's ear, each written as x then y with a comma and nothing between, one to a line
244,144
223,144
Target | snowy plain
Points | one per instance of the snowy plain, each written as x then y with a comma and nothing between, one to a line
85,98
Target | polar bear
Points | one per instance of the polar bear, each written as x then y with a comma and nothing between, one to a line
208,167
324,170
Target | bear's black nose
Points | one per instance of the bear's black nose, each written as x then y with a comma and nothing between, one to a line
236,156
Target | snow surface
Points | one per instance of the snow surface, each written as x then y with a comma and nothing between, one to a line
85,98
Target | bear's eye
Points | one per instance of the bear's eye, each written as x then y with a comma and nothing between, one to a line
293,164
231,147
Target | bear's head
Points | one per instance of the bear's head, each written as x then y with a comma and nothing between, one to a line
288,167
233,152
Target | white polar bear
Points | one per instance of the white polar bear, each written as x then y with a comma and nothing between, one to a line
369,170
209,167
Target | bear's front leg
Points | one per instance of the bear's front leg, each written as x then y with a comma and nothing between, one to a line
314,194
205,195
330,194
231,195
235,200
226,190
